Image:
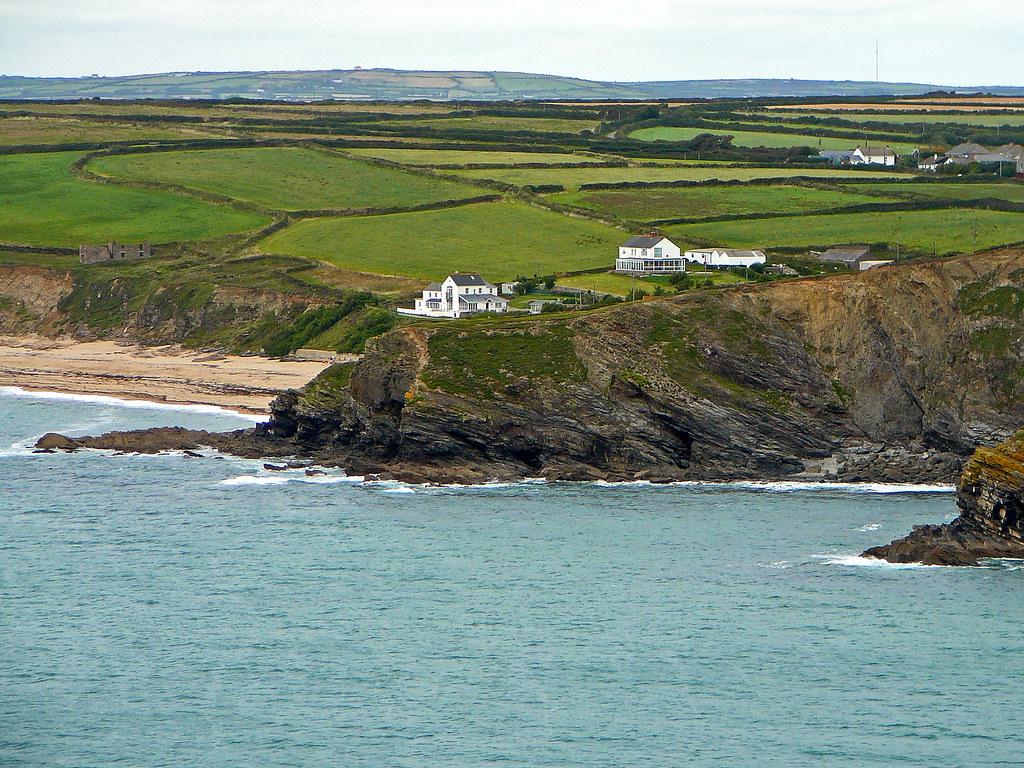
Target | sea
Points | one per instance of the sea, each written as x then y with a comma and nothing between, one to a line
176,611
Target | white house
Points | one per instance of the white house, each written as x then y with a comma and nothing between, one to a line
459,294
868,155
725,257
652,254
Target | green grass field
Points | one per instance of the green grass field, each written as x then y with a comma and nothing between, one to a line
1012,191
285,178
700,202
964,118
499,240
945,231
16,131
428,157
42,203
574,177
495,123
755,139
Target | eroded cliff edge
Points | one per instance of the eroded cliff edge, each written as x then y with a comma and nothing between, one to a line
991,521
891,375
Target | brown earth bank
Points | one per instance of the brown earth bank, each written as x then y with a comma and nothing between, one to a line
895,375
991,521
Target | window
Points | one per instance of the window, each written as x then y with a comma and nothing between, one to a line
657,253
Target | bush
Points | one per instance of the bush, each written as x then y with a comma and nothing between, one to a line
313,322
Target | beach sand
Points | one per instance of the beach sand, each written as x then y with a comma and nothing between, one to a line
164,374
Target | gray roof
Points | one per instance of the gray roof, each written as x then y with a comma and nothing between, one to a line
853,253
967,148
642,241
836,153
461,279
477,298
433,287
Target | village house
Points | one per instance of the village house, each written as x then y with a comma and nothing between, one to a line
113,251
1009,155
651,254
868,155
857,258
724,257
457,295
865,155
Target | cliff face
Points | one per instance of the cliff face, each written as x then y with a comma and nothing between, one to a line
895,374
991,522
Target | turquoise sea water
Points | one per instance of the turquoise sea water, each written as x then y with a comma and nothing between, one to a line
159,611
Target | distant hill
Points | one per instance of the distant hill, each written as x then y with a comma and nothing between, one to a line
383,84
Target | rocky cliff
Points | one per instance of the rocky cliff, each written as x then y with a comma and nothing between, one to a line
891,375
991,521
895,374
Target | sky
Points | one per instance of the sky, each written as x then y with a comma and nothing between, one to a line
938,41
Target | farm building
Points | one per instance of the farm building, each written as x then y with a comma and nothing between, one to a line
649,254
113,251
725,257
865,155
868,155
858,258
459,294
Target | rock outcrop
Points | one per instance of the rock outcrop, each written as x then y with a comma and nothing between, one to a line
991,521
891,375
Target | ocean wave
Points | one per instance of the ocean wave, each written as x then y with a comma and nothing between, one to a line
869,527
857,561
785,486
283,478
214,410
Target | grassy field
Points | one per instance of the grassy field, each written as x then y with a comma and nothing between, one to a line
499,240
1009,191
945,231
428,157
700,202
285,178
966,118
755,139
50,130
494,123
42,203
574,177
622,285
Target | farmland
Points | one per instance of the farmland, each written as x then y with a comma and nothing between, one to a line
1012,191
441,157
967,118
323,201
42,203
504,124
756,139
46,130
501,240
284,178
946,231
708,201
574,177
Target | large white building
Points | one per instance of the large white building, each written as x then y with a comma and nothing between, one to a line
652,255
724,257
459,294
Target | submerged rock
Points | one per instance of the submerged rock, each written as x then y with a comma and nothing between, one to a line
991,522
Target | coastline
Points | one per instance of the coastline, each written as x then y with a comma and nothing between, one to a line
166,374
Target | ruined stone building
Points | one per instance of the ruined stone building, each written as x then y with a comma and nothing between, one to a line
113,251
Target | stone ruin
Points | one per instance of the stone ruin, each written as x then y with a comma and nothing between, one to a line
114,251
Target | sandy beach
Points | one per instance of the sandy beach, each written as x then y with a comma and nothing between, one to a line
164,374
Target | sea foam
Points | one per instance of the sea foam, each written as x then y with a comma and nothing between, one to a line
213,410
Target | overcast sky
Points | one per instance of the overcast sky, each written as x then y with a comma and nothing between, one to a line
938,41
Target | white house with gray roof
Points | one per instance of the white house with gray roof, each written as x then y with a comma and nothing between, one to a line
457,295
651,254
